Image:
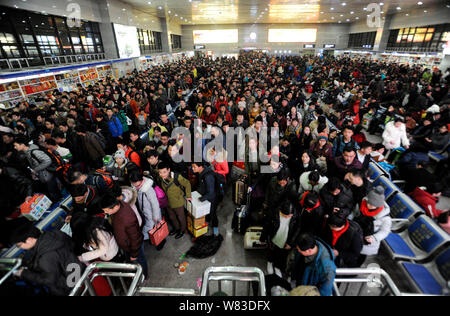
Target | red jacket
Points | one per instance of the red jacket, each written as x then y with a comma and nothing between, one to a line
209,119
221,167
227,117
133,157
127,231
426,201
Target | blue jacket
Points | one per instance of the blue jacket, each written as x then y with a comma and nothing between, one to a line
320,273
339,145
115,127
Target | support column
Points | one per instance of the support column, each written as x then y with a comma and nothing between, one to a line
382,38
165,36
107,31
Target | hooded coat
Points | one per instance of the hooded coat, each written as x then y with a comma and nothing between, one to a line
50,263
148,205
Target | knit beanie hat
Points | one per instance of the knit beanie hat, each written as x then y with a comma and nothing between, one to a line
323,136
119,154
376,197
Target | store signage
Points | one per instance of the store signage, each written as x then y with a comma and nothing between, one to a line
329,46
199,46
309,46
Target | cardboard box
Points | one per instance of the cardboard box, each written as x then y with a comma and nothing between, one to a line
36,207
196,222
200,231
196,208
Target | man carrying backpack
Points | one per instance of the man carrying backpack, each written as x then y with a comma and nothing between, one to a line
99,179
93,148
208,192
130,154
38,163
177,188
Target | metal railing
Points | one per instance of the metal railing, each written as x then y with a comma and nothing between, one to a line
233,274
108,271
9,265
70,59
20,63
166,291
372,278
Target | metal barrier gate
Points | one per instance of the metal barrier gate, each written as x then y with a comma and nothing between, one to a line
345,282
252,276
107,270
10,266
374,278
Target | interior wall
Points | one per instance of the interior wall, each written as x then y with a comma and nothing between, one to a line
91,11
326,34
400,20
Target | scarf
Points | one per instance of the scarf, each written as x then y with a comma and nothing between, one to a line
302,202
338,234
370,213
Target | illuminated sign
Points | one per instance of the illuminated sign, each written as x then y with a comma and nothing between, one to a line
199,46
292,35
215,36
329,46
309,46
127,41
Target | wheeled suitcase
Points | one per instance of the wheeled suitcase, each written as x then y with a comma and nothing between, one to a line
240,191
241,218
251,238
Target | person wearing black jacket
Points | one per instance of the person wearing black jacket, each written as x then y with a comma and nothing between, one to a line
53,263
208,192
312,215
280,190
336,198
15,187
280,233
86,199
345,237
358,183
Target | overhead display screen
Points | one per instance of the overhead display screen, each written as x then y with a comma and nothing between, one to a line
292,35
215,36
127,41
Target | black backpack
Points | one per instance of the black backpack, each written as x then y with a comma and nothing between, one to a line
205,246
219,181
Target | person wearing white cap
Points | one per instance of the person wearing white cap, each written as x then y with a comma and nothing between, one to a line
121,168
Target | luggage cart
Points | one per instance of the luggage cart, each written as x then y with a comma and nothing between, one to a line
10,266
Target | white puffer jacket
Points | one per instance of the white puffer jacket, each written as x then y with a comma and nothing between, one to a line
382,227
396,135
147,203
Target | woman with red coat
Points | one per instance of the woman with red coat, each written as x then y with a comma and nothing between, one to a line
223,111
208,117
218,160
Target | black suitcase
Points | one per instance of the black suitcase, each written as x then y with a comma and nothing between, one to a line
240,188
241,218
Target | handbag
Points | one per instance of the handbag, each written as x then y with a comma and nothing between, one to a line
159,233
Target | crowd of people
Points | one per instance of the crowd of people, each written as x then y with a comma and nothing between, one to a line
315,204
